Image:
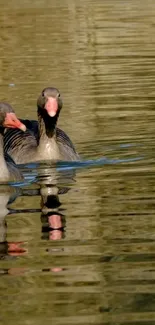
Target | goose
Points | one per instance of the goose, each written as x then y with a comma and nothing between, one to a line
43,140
8,119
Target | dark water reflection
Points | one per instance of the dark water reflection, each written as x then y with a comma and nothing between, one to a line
77,241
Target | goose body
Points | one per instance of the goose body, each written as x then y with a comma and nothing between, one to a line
8,168
42,140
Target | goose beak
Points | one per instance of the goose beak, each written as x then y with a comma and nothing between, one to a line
11,121
51,106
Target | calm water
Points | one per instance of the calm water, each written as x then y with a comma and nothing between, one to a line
77,241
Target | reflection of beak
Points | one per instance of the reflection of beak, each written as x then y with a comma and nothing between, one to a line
55,234
54,221
51,106
11,121
14,249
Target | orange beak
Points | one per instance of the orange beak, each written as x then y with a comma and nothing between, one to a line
51,106
11,121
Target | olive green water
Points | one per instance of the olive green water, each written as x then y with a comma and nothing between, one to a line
98,266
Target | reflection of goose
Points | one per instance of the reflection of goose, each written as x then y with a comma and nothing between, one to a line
43,140
49,197
8,169
51,185
53,222
7,194
4,198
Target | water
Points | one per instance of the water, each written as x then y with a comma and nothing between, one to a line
77,241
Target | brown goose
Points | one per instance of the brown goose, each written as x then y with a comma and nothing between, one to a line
8,119
42,140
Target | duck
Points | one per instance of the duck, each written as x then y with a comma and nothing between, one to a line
8,119
42,140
